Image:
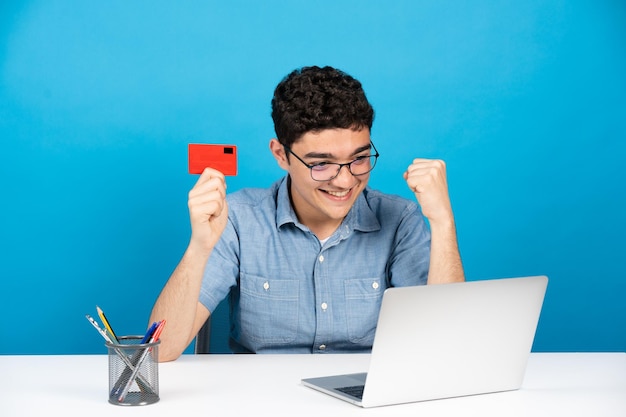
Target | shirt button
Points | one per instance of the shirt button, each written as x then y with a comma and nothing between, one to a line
266,285
321,258
324,306
322,347
375,285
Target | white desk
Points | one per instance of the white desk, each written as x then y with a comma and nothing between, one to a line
563,384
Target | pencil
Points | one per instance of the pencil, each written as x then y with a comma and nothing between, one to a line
107,324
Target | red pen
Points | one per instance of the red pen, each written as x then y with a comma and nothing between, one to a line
157,332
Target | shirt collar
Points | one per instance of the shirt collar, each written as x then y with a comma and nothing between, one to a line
360,217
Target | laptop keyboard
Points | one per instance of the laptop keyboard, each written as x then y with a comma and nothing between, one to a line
355,391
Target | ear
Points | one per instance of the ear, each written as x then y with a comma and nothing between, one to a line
278,151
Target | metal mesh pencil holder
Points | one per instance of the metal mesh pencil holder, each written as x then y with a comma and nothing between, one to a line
133,371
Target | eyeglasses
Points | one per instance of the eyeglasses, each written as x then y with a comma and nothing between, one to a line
326,171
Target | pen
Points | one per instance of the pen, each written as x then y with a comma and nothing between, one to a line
102,332
157,332
154,338
149,333
107,325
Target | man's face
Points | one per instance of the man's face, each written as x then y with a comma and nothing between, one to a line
322,205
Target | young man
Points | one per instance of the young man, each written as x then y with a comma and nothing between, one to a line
305,263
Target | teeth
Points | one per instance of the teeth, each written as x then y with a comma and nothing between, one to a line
338,193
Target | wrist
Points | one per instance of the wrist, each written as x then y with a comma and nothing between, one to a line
442,224
199,248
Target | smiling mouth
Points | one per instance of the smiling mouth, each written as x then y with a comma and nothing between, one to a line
338,194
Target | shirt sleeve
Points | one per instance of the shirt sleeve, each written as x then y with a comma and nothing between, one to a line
221,272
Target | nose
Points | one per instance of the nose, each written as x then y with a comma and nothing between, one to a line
344,178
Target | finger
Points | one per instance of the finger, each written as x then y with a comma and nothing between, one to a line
212,209
199,201
209,181
207,197
210,174
201,191
426,165
423,175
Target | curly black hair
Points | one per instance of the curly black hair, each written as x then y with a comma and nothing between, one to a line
314,98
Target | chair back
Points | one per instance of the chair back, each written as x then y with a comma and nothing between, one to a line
203,338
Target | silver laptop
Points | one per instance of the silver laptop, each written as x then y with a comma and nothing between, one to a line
443,341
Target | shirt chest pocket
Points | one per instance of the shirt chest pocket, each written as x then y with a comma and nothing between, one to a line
363,299
269,309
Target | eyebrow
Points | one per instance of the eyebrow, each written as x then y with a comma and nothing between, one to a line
330,156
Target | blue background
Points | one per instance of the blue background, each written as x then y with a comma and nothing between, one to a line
526,101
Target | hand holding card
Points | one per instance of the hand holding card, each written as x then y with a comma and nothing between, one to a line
220,157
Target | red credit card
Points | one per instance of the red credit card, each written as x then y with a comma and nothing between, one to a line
220,157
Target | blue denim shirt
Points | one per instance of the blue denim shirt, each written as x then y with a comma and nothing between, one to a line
290,294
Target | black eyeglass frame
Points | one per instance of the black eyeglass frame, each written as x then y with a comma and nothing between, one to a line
339,166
